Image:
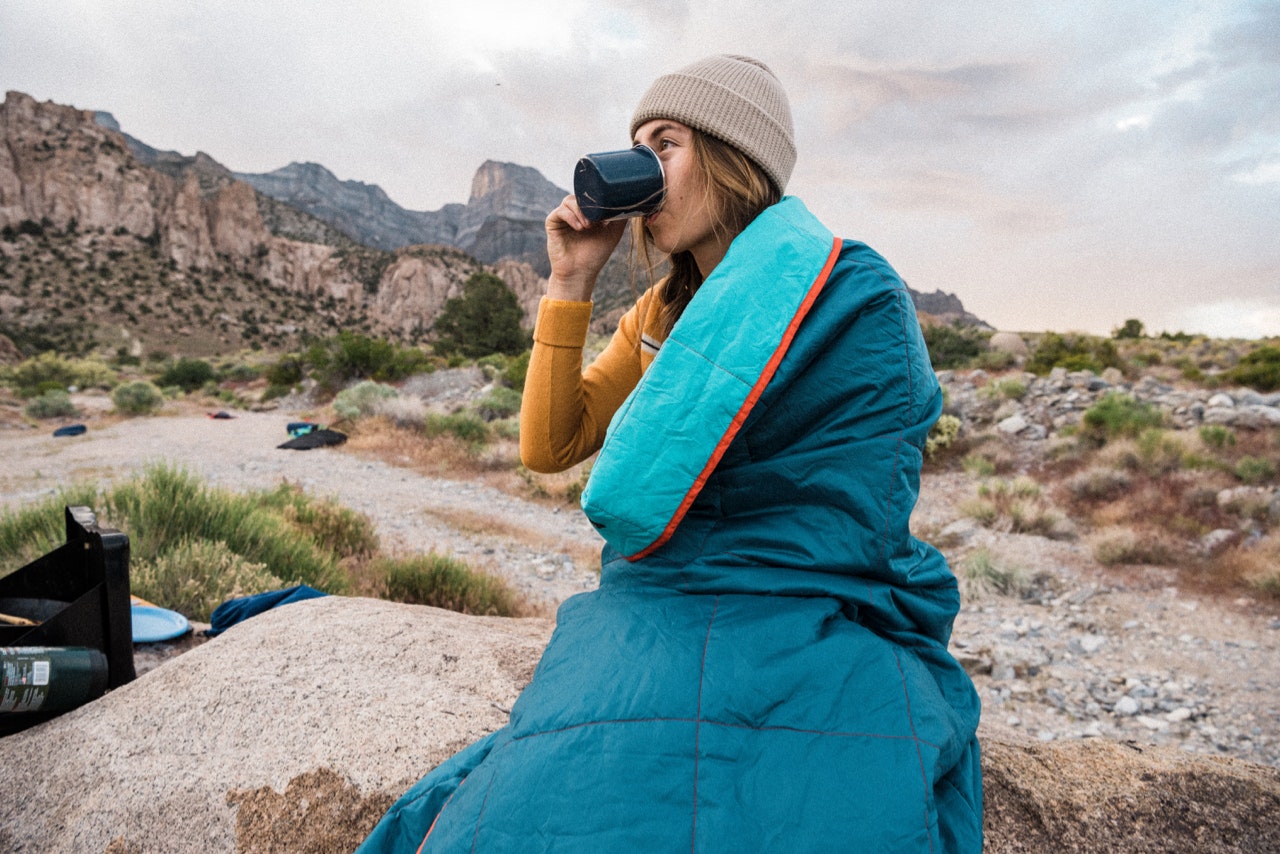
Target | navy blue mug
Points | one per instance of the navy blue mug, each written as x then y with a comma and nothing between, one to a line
619,184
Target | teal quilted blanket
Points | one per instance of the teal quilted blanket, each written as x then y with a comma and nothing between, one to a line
764,666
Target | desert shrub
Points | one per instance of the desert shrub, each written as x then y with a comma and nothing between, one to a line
446,582
1098,483
343,531
1132,328
1117,414
348,356
995,360
362,399
953,346
1134,547
51,371
501,402
186,374
35,529
1259,370
1158,452
1073,352
978,465
287,371
137,398
196,576
1217,437
168,505
403,411
460,425
1005,389
943,432
516,371
1254,470
52,404
484,319
982,574
1014,505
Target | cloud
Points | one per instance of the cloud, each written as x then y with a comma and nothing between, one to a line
1230,319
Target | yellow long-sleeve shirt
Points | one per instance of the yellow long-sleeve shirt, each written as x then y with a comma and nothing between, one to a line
566,409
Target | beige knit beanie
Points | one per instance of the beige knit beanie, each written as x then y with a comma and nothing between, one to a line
735,99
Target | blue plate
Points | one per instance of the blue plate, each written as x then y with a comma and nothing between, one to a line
152,624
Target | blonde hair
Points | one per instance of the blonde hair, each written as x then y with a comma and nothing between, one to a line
737,191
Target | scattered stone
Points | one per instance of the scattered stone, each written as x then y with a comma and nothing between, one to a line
1126,707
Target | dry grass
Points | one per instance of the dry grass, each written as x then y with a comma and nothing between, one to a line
1017,506
439,456
483,524
1254,566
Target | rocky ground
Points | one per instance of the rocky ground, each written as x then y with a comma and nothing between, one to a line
1088,651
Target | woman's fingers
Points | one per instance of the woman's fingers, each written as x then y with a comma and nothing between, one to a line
568,213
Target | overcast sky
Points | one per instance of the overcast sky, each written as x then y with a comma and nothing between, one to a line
1057,166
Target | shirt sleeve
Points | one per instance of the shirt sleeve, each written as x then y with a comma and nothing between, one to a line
566,410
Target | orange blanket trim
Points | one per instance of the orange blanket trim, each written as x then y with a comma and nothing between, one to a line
735,425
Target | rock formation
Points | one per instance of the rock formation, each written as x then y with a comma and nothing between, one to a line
73,170
295,730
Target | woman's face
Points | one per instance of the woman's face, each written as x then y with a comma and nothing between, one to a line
685,222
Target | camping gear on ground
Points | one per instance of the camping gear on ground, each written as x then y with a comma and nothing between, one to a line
152,624
299,428
220,415
619,184
70,430
76,596
50,678
234,611
315,438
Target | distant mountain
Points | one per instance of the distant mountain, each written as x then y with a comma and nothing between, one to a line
109,244
502,219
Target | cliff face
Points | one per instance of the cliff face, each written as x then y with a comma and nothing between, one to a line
71,171
502,219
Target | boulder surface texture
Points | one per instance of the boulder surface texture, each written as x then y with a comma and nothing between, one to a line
295,730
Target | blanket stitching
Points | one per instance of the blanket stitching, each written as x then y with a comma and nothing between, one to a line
712,362
697,727
476,836
924,777
727,725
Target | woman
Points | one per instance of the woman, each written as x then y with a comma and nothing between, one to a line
764,666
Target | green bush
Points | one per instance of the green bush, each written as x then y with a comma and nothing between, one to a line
501,402
28,532
1132,328
362,398
52,371
1117,414
446,582
186,374
943,432
517,370
349,356
953,346
1254,470
1259,370
467,428
52,404
168,505
137,398
1073,352
196,576
485,319
1216,436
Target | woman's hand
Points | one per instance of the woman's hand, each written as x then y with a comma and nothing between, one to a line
578,250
